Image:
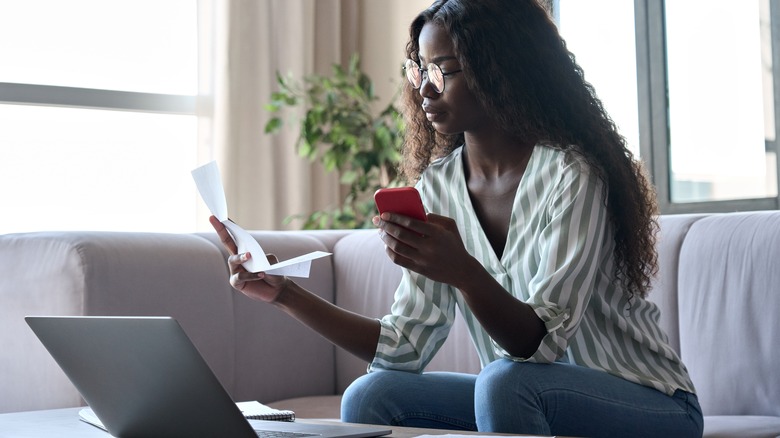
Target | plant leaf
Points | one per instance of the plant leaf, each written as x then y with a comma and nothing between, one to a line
339,129
273,125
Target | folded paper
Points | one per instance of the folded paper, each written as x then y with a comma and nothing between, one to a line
209,183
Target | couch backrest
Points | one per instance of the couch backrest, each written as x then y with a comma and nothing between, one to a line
717,288
672,232
267,340
729,301
102,273
366,280
181,275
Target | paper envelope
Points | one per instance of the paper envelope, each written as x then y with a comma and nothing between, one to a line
209,184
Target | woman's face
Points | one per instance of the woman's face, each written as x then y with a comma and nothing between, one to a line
455,110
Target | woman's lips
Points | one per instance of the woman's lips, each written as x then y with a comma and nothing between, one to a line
433,114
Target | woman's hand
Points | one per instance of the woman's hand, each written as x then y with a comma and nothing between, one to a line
254,285
433,248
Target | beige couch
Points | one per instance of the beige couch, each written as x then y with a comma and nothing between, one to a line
719,290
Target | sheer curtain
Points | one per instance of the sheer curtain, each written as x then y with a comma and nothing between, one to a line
244,44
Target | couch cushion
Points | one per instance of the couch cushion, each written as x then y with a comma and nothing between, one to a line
673,229
103,273
319,407
276,357
366,280
729,296
31,268
743,426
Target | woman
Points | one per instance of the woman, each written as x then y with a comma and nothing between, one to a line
540,232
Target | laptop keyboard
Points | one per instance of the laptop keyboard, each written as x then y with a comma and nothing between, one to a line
279,434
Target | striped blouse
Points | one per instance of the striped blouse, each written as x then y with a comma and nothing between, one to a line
558,258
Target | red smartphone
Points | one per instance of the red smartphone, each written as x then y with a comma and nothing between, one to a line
400,200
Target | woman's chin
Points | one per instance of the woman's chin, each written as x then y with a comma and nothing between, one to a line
443,128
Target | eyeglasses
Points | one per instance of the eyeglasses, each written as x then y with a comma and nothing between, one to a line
415,74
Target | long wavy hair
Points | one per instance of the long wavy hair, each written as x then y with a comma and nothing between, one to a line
518,66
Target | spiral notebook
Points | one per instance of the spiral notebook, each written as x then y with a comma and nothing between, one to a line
254,410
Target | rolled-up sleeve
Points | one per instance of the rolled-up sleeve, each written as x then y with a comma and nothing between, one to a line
417,326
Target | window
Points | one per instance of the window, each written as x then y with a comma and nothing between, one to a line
97,109
700,107
719,66
706,103
607,57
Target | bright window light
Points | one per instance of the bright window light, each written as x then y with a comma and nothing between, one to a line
720,100
601,35
78,169
67,168
141,45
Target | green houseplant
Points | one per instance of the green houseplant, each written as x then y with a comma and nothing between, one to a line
340,130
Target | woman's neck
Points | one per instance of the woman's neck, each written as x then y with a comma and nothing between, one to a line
495,156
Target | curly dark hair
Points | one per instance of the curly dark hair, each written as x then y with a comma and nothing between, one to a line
518,66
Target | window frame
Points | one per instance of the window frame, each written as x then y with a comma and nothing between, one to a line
107,99
90,98
652,89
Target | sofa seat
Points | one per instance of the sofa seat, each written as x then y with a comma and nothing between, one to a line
742,426
318,407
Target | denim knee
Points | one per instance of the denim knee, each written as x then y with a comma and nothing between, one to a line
503,375
362,401
505,398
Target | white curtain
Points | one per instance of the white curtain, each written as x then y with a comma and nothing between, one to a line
244,44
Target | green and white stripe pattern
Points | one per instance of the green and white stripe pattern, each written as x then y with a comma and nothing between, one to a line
558,258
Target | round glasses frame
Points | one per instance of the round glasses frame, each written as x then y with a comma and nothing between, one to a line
416,75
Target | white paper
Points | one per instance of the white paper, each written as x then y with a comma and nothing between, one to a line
88,416
209,184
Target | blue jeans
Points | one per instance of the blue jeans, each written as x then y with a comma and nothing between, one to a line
522,398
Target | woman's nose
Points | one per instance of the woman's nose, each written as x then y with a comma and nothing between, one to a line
426,88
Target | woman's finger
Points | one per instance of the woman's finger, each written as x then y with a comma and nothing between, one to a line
239,259
236,281
224,235
239,278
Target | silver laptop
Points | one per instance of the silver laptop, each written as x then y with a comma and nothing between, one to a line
142,376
